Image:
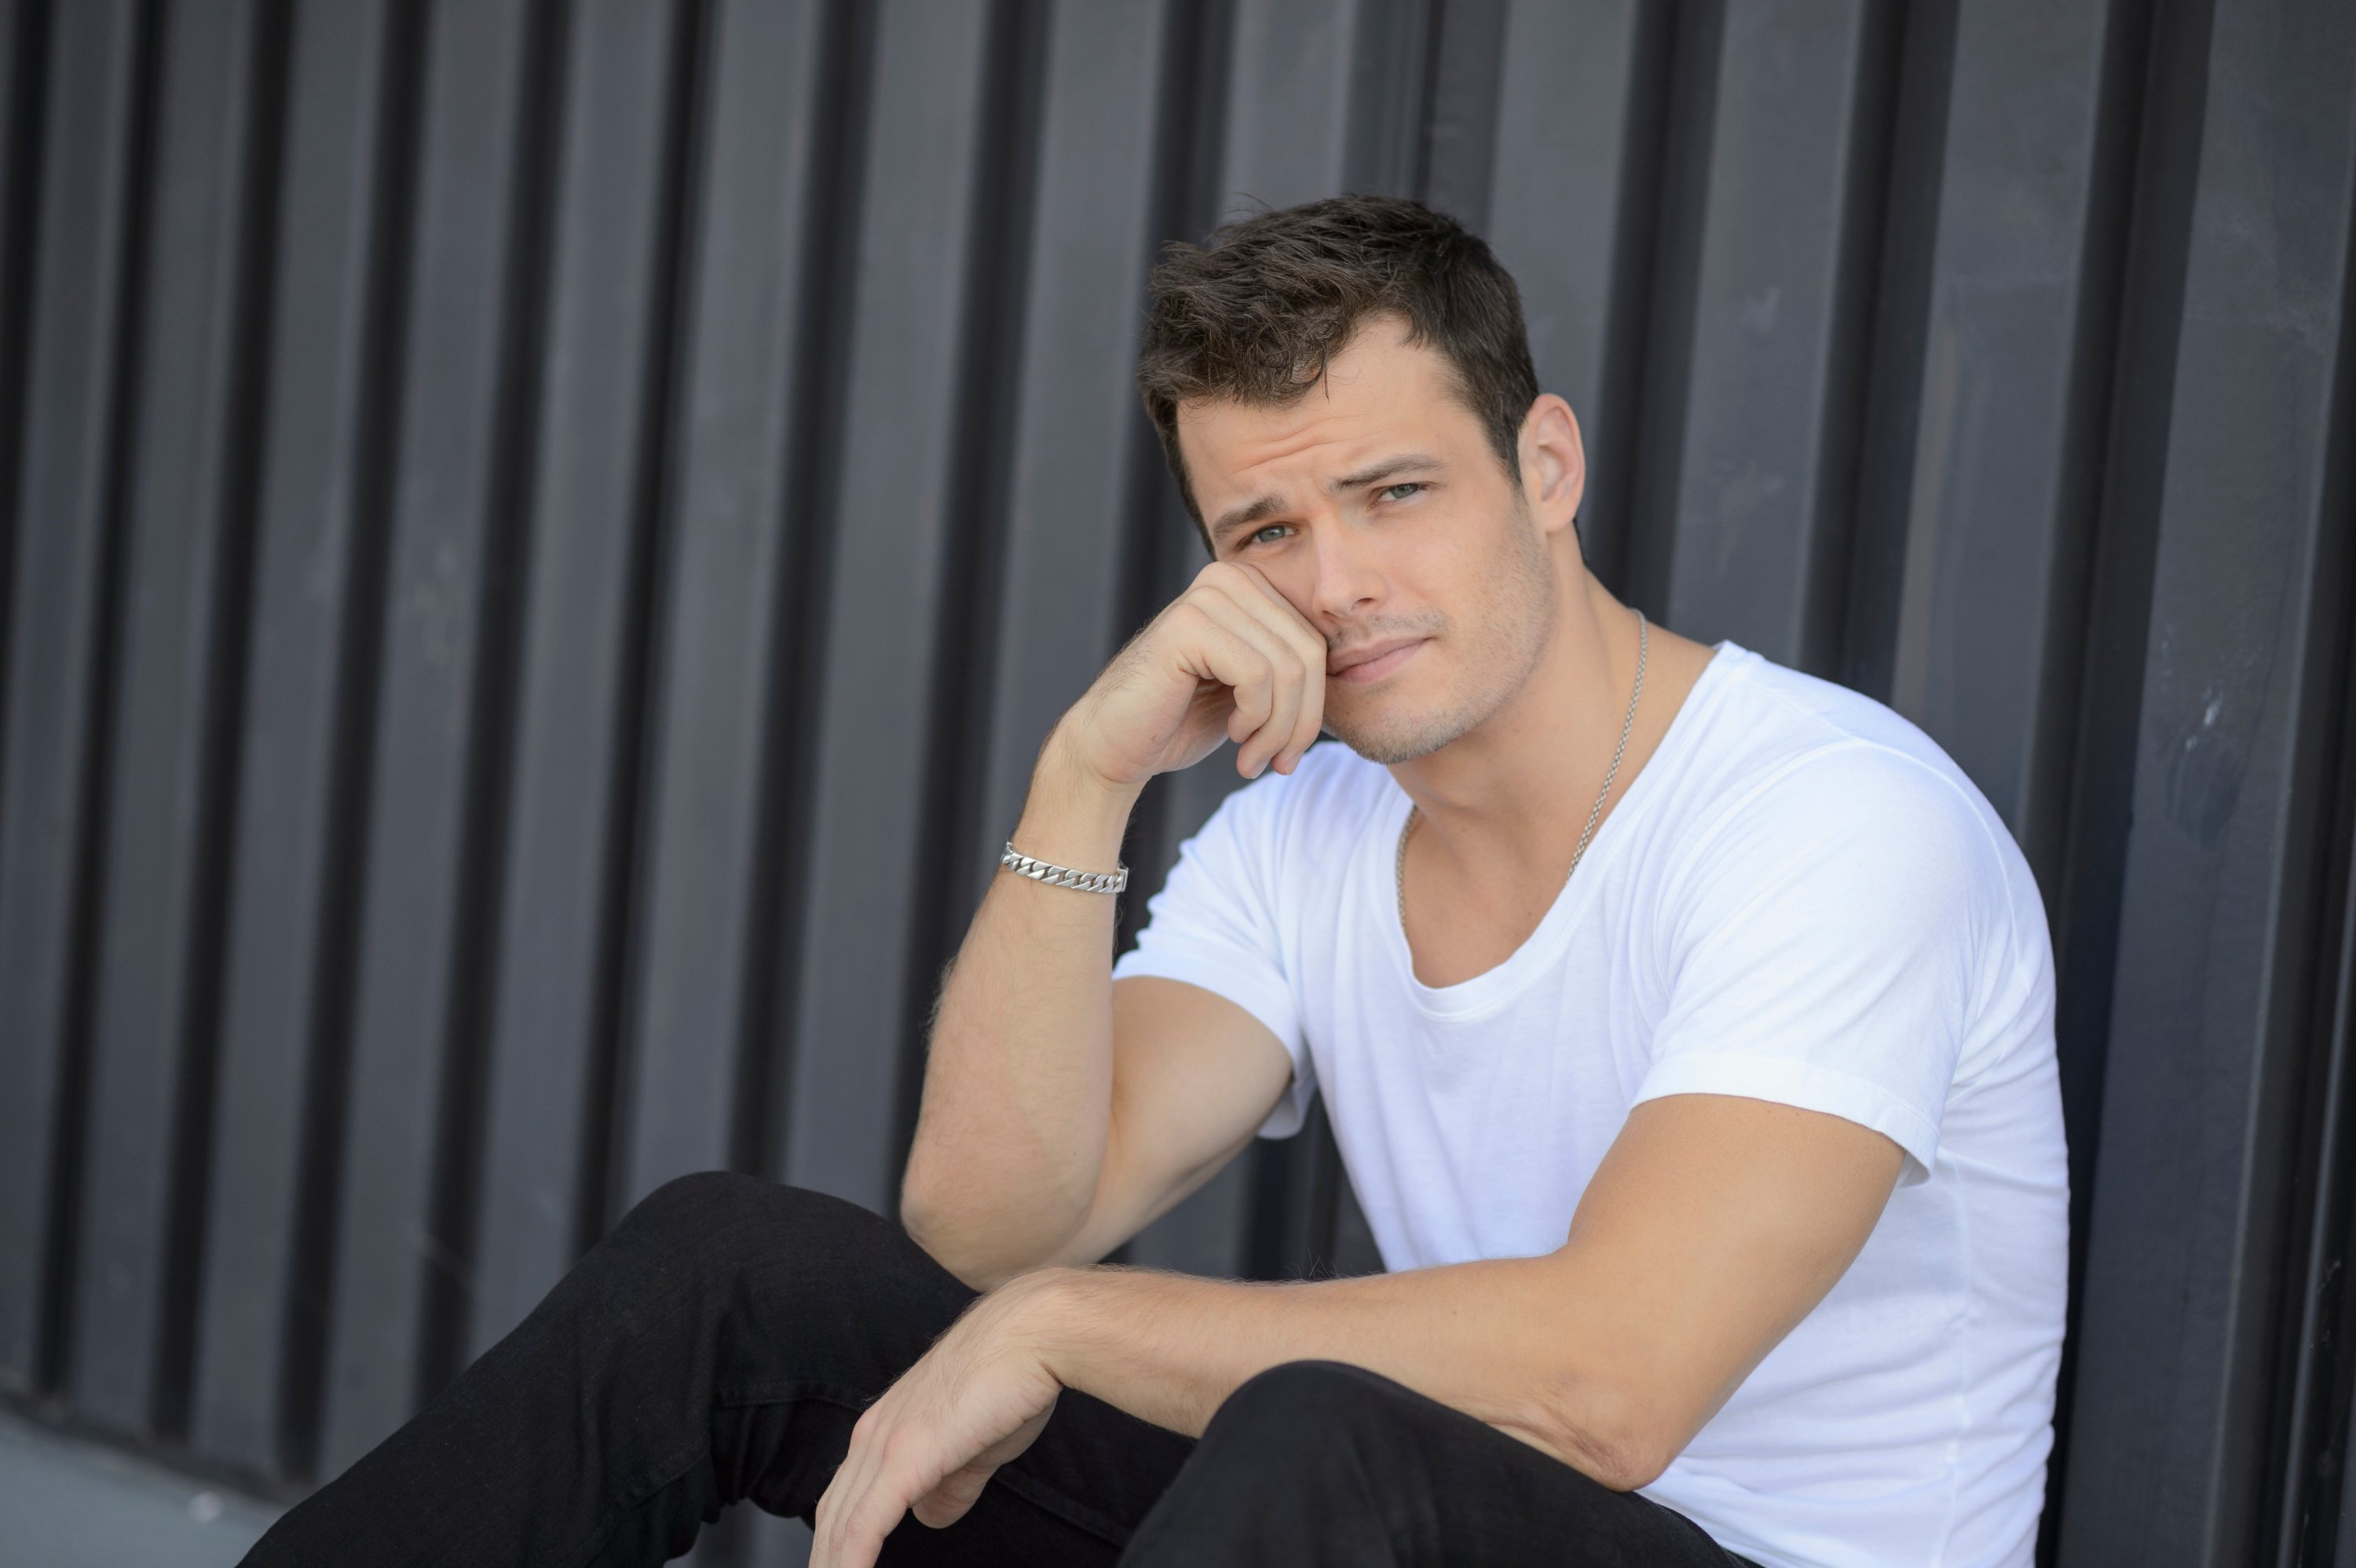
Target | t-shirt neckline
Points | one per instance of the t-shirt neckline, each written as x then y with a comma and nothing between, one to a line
1497,987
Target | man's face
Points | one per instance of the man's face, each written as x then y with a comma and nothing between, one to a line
1377,507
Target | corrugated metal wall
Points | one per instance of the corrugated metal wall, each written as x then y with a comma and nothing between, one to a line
540,539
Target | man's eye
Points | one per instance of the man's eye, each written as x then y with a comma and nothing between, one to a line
1400,492
1274,530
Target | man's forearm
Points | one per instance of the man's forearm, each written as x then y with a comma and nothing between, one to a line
1018,1072
1500,1339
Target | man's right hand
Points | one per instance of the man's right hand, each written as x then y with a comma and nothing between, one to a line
1229,659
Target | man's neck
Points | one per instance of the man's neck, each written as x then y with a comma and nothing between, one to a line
1502,808
1514,782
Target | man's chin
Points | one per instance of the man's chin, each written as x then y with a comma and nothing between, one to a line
1392,739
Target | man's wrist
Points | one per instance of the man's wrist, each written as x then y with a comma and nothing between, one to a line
1037,1306
1092,1328
1073,816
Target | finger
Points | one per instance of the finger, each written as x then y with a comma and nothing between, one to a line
822,1530
1251,593
1210,650
839,1501
830,1507
826,1524
954,1498
844,1536
1258,589
1287,680
864,1526
1296,717
904,1470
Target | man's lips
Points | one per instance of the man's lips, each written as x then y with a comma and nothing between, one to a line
1374,660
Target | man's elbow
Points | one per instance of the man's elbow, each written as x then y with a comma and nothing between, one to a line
953,1234
1612,1436
923,1222
1624,1462
938,1235
984,1251
1633,1465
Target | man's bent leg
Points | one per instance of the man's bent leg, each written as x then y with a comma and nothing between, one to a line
716,1346
1319,1462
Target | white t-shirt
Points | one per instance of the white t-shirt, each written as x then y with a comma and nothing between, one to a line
1799,898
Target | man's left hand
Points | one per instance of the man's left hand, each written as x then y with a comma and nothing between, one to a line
978,1398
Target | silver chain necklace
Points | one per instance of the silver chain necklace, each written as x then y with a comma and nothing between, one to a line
1398,867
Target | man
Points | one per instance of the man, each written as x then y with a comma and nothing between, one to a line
1685,1024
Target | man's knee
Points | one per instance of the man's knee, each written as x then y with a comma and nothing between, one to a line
724,1218
1296,1407
704,1197
702,1206
730,1197
1301,1443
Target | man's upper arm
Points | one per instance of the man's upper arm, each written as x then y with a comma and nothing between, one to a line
1194,1075
1825,957
1713,1226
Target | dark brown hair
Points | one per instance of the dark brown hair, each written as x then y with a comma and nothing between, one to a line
1255,314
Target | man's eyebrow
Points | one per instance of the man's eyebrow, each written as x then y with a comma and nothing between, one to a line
1376,473
1252,511
1243,517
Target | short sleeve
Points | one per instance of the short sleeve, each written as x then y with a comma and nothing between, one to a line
1824,943
1215,924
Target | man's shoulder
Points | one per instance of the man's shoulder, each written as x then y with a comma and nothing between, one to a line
1802,770
1791,711
1799,744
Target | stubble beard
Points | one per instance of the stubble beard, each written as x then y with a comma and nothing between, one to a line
1507,639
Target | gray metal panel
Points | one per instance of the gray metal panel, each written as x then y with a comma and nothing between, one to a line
1287,101
280,912
1567,215
1997,523
900,498
1080,437
1763,480
2160,81
63,503
148,1078
728,591
1464,50
2218,928
22,76
417,874
24,41
552,1012
2309,1508
1392,57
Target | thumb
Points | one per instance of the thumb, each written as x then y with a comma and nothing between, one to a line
954,1498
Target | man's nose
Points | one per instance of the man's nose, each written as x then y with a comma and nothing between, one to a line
1349,582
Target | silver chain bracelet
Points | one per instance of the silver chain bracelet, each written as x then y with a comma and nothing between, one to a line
1055,876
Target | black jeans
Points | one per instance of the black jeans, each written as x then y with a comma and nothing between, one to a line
718,1346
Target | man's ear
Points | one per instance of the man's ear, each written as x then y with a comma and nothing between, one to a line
1554,463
